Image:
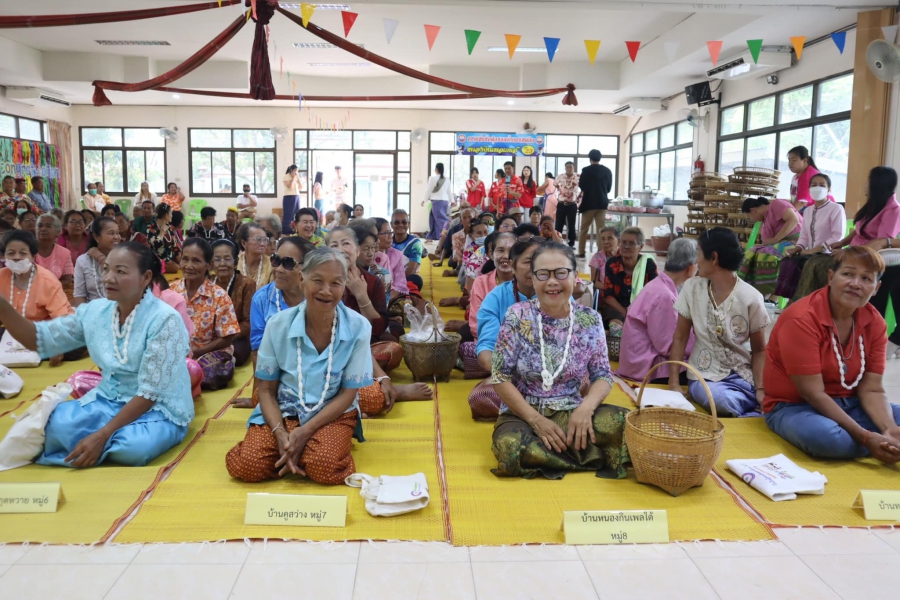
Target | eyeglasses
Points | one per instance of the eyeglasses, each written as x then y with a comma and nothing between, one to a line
75,222
287,262
260,239
223,260
400,223
525,238
560,274
629,244
386,233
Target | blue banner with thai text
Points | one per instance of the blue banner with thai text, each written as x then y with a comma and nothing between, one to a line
500,144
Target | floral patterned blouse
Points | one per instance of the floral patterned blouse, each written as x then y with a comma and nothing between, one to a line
473,260
211,311
618,283
165,245
517,357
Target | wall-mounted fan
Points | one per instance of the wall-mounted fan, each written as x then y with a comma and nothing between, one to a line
693,117
169,134
883,59
417,135
279,133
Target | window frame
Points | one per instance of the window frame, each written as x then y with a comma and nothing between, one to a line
123,149
45,128
232,151
675,201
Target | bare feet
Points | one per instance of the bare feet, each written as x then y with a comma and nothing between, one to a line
453,325
242,403
449,302
414,391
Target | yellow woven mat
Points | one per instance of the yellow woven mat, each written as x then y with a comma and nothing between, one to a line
488,510
199,501
37,380
751,438
97,499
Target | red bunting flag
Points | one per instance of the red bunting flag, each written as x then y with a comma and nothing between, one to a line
633,48
431,33
349,19
714,49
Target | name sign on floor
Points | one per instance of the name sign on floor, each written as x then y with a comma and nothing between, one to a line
296,510
30,497
616,527
879,505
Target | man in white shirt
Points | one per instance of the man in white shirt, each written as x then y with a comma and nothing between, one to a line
247,204
566,205
338,187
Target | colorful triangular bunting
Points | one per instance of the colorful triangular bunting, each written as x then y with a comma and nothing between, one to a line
714,47
798,41
633,48
890,33
839,38
592,46
551,44
755,47
390,27
349,19
512,42
672,50
431,33
306,12
472,39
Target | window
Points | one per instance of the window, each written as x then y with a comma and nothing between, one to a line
123,158
15,127
816,116
224,160
661,160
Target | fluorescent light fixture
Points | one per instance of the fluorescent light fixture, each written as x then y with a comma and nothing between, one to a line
519,49
133,43
510,102
340,64
318,45
176,97
296,5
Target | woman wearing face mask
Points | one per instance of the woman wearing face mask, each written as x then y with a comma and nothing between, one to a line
73,237
547,425
89,266
876,224
89,200
253,263
33,291
439,194
804,168
24,205
780,230
240,289
142,406
163,240
823,225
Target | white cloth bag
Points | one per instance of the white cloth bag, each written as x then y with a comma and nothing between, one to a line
388,496
10,383
778,477
14,354
25,439
664,398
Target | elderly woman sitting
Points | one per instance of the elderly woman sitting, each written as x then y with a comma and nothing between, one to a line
313,360
651,320
89,266
824,367
779,232
240,289
51,255
545,348
626,275
253,242
728,319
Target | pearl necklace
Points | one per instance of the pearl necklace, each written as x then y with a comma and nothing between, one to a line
228,287
278,299
124,332
842,366
321,401
12,288
259,269
546,376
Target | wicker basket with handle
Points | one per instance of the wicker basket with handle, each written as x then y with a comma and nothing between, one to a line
670,448
430,361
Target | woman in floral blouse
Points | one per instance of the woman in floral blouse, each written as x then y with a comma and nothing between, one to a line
163,240
546,347
211,310
626,275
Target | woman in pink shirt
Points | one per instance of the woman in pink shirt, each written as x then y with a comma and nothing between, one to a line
778,234
876,225
803,167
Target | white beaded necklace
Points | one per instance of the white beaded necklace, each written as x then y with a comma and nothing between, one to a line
228,287
842,366
124,332
546,376
259,269
321,401
12,288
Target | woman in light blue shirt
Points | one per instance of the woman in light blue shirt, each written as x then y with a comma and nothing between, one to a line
304,424
143,405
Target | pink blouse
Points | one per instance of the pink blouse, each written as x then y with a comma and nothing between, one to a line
800,185
481,287
59,262
775,218
886,224
398,270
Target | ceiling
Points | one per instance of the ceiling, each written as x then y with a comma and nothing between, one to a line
70,57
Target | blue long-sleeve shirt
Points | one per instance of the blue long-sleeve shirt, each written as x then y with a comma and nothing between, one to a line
492,312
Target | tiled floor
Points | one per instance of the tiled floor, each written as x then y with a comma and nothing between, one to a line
806,564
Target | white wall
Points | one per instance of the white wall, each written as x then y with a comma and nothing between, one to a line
291,118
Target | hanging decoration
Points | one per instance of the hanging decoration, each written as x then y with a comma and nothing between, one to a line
840,39
890,33
672,50
472,39
633,48
755,47
349,18
390,27
261,85
31,21
431,33
715,48
324,124
512,42
592,46
20,158
306,12
253,9
551,44
798,41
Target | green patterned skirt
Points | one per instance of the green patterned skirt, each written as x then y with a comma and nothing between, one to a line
760,266
521,453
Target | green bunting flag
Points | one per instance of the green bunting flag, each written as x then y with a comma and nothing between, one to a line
755,47
472,39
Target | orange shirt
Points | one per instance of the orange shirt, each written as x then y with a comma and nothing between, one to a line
173,200
801,344
212,312
46,301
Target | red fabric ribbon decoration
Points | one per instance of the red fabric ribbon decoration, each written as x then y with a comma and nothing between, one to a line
261,85
107,17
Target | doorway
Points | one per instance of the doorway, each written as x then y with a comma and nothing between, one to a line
334,192
374,181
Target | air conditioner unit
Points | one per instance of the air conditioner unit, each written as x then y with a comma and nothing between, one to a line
741,66
35,97
639,106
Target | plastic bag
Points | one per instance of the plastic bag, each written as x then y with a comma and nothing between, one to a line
427,327
10,383
25,439
778,477
388,496
662,231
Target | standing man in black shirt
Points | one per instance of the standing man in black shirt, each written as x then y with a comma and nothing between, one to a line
595,183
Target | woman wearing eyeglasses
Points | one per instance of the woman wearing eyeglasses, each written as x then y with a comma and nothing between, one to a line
626,275
240,289
252,261
546,347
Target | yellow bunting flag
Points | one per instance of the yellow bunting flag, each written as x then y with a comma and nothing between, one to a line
306,12
220,3
512,42
798,41
592,46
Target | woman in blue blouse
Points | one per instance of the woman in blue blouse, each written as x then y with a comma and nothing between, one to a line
304,424
143,405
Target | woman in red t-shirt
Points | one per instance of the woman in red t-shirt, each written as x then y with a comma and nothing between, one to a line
475,192
527,199
824,365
